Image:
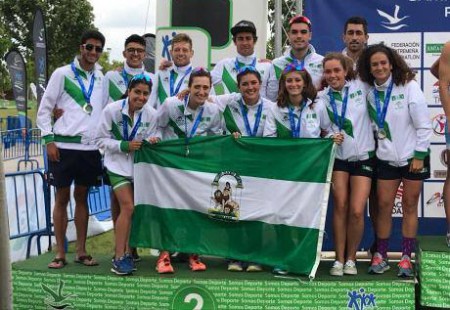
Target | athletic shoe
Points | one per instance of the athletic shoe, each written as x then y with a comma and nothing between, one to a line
280,271
195,264
235,265
163,264
405,269
337,269
448,239
122,266
378,265
135,255
350,268
253,267
131,260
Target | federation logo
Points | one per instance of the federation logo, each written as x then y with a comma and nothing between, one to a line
437,198
438,123
360,300
56,299
435,93
392,22
226,193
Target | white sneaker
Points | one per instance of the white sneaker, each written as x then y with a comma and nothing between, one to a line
350,268
337,269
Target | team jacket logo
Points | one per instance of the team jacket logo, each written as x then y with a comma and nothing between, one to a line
226,190
393,22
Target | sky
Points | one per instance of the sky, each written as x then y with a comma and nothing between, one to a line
120,18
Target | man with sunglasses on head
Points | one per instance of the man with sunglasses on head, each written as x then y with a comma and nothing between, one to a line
73,156
173,79
225,71
301,53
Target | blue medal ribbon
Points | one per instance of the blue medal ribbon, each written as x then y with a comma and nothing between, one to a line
250,132
237,67
295,127
297,62
381,113
339,120
125,125
175,91
125,77
86,94
196,122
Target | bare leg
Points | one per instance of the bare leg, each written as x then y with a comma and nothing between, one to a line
81,218
60,219
411,193
387,189
124,195
340,203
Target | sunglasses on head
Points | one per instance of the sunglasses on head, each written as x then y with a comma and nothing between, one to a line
300,19
247,69
293,67
142,77
89,47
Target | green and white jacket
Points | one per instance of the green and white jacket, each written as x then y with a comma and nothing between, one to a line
161,87
109,135
75,129
313,64
407,124
224,74
278,124
234,121
359,143
114,86
172,115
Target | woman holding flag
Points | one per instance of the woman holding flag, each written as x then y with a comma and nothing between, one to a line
398,110
123,126
345,107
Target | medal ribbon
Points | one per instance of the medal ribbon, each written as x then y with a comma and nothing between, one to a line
125,77
295,128
381,114
125,125
175,91
237,67
339,120
86,95
244,112
196,122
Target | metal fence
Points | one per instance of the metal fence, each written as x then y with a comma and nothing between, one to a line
19,143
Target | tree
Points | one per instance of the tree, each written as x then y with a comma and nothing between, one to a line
66,20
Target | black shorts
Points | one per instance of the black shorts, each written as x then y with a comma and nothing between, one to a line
365,168
389,172
83,167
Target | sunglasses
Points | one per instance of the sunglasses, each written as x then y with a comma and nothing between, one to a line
246,69
89,47
293,67
142,77
300,19
135,50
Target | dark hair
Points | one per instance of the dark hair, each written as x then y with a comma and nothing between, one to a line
141,78
181,37
309,91
358,20
198,72
401,72
248,70
93,34
135,38
346,62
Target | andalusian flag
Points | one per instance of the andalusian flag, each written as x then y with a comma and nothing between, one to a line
262,200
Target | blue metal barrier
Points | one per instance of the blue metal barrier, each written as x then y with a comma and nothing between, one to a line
18,143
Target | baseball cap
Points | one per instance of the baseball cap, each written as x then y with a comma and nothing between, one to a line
243,26
300,19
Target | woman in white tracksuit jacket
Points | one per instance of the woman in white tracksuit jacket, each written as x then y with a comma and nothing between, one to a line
346,112
124,124
400,115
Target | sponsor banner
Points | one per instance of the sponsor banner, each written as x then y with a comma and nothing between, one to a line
431,89
18,74
438,124
40,53
40,290
433,200
432,46
438,162
225,208
434,273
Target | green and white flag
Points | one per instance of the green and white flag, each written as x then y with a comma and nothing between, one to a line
262,200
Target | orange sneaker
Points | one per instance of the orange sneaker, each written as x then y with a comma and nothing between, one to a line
163,264
195,264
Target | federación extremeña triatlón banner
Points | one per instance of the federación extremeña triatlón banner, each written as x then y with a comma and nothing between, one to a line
262,200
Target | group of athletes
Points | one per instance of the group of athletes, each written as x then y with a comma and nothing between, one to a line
365,98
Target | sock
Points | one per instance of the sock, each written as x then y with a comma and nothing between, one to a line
382,246
408,245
